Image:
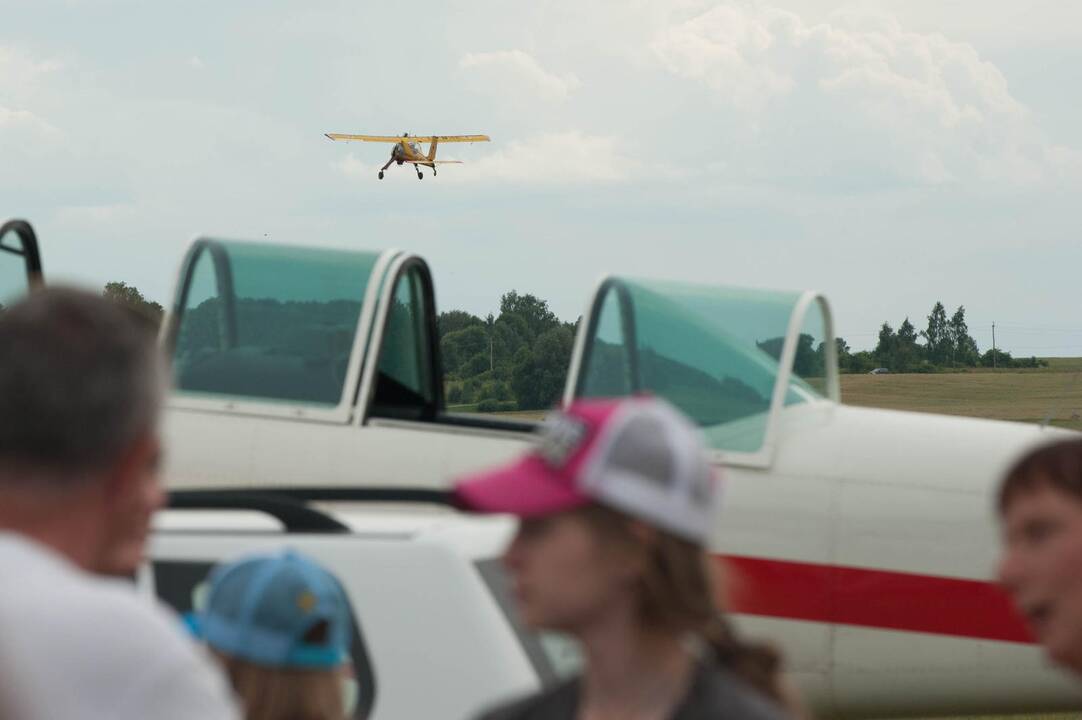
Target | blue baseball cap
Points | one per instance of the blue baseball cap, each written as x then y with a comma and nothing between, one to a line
278,610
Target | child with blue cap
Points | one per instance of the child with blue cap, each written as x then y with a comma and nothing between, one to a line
281,625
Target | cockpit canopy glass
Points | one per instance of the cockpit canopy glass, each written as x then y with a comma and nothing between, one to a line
268,322
712,351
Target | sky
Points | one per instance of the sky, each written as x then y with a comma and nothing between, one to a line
887,154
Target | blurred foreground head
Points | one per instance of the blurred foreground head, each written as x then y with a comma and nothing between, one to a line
81,385
616,505
1040,507
281,625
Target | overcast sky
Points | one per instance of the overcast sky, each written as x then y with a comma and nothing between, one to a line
889,154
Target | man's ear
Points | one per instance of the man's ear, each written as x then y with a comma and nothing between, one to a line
127,472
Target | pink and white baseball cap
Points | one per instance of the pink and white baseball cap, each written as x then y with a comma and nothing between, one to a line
637,455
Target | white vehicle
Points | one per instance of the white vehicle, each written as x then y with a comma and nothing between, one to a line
435,637
860,540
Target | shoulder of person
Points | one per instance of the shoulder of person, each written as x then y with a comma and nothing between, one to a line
716,692
88,607
554,703
121,651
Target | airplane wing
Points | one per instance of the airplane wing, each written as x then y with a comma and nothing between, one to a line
435,162
368,138
411,138
452,139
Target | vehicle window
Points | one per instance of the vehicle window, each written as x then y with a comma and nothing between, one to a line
269,322
712,352
405,384
176,581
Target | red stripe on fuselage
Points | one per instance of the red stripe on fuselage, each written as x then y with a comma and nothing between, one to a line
871,598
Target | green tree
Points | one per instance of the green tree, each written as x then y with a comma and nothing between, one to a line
540,370
807,363
455,320
534,313
884,350
906,350
460,347
130,296
1001,359
841,351
963,346
937,336
861,362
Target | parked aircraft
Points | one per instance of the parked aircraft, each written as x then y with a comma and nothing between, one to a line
860,540
407,149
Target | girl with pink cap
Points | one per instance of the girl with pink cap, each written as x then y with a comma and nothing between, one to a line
615,506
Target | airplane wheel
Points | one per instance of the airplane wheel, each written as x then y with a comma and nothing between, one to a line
420,176
380,174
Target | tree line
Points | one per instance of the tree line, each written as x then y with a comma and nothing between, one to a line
516,360
945,343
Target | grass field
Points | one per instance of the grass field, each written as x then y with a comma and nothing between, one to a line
1054,392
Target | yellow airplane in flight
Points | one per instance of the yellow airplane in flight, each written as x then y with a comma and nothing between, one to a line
407,149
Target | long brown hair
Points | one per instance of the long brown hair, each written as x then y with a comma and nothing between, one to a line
285,694
677,593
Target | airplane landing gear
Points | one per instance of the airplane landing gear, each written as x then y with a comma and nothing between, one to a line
420,176
387,166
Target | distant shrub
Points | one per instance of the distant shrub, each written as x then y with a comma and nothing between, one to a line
454,394
488,405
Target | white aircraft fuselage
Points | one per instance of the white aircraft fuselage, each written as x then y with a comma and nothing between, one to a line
860,541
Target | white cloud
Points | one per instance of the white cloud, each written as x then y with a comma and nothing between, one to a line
858,97
20,80
556,158
24,119
19,72
196,63
519,73
81,214
351,166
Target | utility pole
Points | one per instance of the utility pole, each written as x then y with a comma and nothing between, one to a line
993,346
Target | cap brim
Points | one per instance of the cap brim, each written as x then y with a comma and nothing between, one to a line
527,487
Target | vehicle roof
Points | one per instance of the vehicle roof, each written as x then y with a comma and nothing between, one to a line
473,536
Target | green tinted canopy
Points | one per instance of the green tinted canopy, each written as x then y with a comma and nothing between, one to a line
713,352
268,322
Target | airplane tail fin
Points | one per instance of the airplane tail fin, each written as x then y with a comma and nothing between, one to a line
432,149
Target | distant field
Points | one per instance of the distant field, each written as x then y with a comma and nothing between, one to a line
1022,395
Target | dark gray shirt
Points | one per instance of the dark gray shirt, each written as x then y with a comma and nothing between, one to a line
714,694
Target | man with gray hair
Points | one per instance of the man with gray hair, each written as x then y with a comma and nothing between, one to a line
81,385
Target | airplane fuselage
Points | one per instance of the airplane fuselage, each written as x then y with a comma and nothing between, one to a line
861,541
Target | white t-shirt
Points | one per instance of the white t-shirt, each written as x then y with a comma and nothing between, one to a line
73,645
